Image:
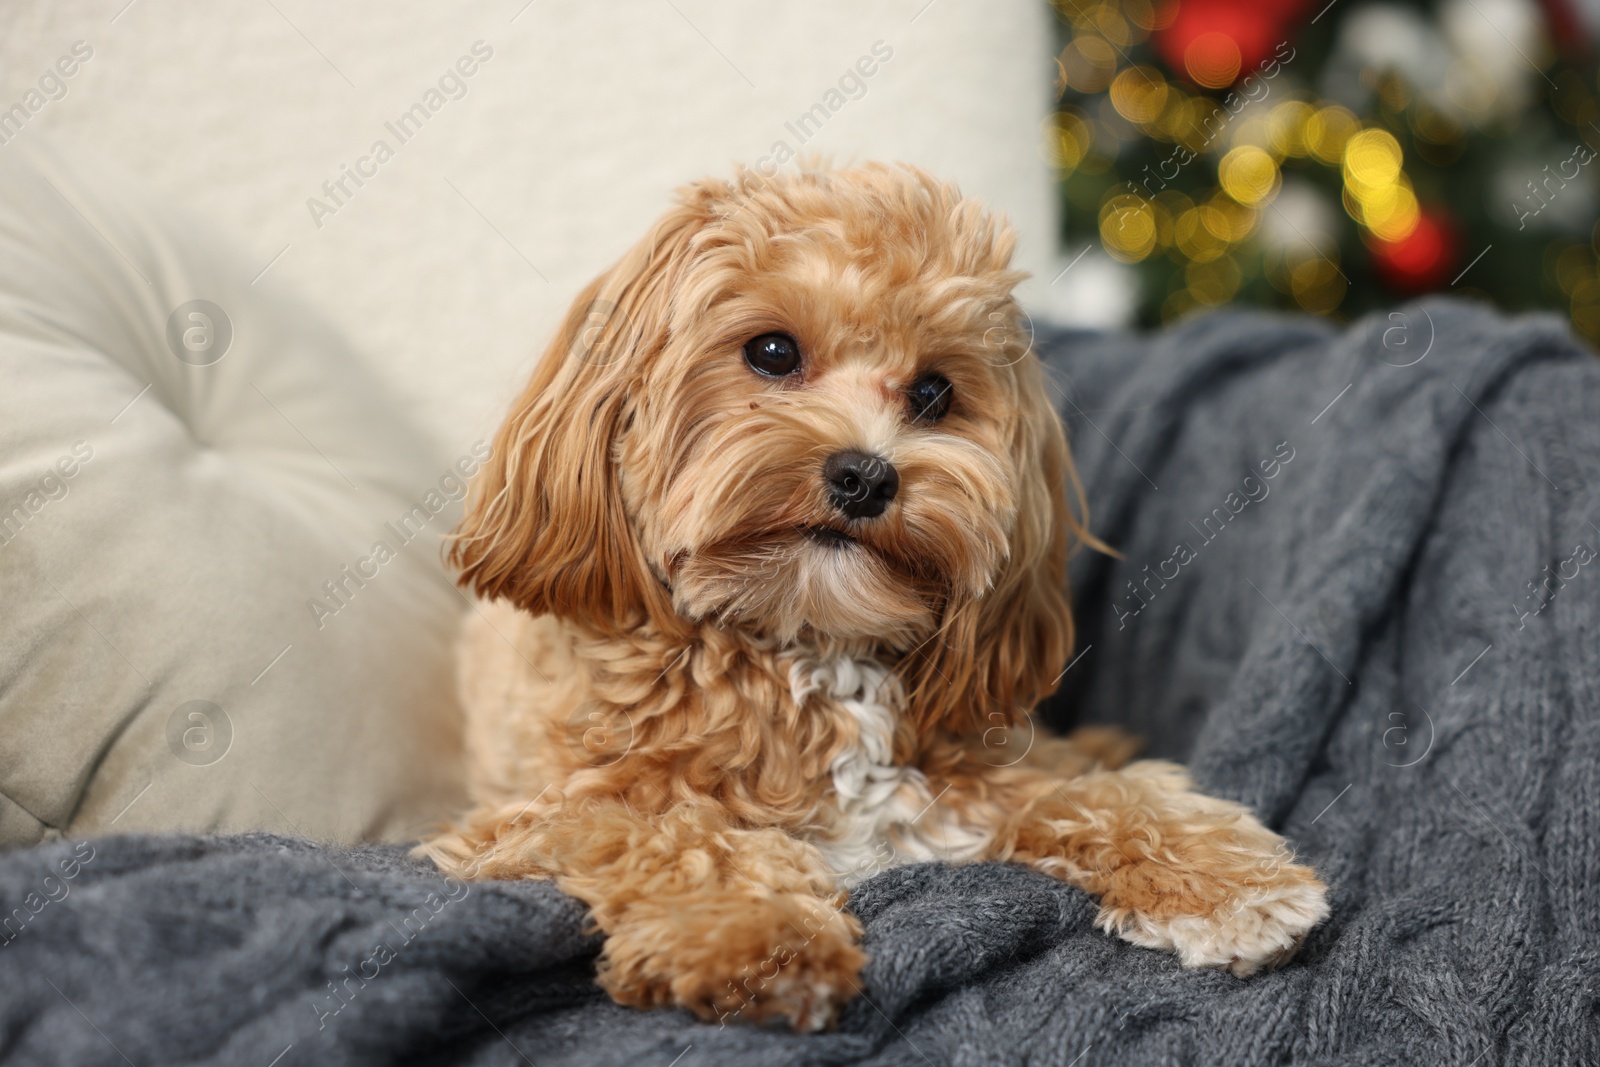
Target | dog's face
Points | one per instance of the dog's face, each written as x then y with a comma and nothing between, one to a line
804,407
825,441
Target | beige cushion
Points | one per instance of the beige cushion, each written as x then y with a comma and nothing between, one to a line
178,480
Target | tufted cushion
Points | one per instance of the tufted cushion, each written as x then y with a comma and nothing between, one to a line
219,545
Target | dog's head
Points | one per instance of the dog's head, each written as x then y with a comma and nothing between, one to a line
806,407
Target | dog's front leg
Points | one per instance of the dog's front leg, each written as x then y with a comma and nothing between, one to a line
699,913
1174,869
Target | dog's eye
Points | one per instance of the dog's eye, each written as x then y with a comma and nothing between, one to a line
930,397
772,354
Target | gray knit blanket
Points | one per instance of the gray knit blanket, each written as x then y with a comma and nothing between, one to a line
1358,589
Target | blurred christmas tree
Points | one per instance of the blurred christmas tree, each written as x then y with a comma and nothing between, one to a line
1333,158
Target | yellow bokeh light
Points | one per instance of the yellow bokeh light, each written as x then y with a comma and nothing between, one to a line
1178,304
1434,126
1088,63
1371,160
1068,137
1139,94
1111,24
1254,129
1280,264
1196,240
1586,319
1573,267
1287,127
1377,193
1587,292
1150,14
1170,206
1393,214
1128,227
1075,12
1393,91
1353,206
1217,223
1316,284
1185,121
1140,16
1586,306
1172,124
1215,282
1326,132
1249,175
1163,220
1228,219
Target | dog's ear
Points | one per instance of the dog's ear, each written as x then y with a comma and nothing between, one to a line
998,655
545,525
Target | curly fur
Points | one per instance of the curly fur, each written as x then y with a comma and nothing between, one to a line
706,724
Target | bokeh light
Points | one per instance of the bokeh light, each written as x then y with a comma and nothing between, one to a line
1244,150
1128,227
1139,94
1249,175
1212,60
1326,132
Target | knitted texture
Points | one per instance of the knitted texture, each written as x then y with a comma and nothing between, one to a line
1330,539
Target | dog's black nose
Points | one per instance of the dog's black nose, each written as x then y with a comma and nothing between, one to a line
860,485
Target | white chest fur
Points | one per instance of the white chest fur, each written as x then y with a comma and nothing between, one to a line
885,814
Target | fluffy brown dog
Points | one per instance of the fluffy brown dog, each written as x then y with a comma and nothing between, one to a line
778,534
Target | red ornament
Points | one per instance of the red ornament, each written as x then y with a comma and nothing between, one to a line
1421,260
1215,43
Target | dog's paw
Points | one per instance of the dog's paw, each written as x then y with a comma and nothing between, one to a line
1200,876
737,958
1255,927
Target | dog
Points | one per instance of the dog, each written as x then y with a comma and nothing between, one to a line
774,547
